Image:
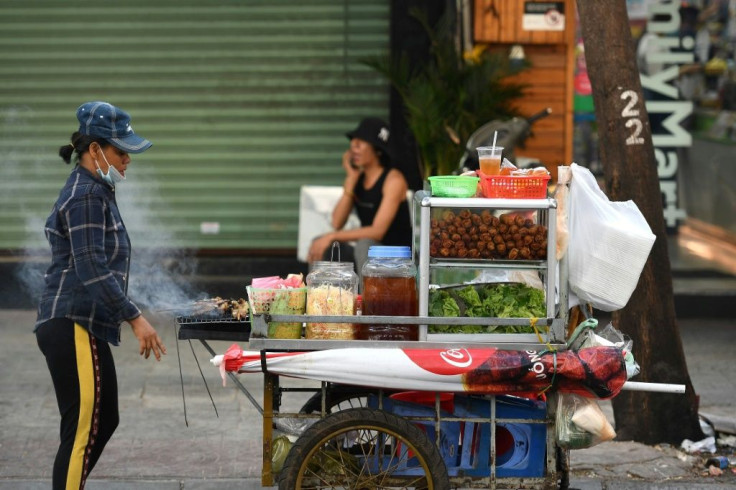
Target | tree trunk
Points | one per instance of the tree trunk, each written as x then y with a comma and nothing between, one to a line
630,170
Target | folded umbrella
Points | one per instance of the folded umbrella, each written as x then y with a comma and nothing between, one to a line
593,371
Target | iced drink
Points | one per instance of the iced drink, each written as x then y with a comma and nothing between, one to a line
490,159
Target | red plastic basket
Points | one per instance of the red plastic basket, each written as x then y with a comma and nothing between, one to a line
513,187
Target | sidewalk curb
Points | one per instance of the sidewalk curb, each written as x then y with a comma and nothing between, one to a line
131,484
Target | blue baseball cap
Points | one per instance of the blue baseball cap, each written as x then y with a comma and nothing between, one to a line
103,120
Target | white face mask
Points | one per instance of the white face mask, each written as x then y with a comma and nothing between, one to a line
113,175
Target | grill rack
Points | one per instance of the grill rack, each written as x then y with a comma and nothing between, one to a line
213,328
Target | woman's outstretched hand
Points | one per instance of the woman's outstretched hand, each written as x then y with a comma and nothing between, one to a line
147,338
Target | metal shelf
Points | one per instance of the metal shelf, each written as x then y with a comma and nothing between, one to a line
426,200
510,341
424,203
521,342
488,263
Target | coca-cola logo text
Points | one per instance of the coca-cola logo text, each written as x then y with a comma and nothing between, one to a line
448,361
457,357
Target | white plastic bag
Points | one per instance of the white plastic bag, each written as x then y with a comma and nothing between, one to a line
609,244
580,422
529,278
562,196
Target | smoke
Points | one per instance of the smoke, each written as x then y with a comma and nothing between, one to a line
33,261
160,276
25,165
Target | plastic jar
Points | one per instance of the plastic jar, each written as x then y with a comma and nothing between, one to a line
331,290
389,288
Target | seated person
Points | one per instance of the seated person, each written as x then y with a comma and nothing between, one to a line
378,193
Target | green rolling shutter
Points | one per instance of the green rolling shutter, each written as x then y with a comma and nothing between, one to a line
245,101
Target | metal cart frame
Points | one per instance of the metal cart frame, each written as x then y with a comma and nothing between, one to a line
273,391
553,336
556,459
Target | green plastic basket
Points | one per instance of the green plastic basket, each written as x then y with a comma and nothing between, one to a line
453,185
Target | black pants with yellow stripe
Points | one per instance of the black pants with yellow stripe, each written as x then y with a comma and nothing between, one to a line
83,372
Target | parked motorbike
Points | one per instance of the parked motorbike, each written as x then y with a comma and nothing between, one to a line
512,133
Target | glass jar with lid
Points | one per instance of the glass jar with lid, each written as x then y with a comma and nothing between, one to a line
390,289
332,288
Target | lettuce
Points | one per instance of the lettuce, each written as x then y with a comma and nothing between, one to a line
442,304
487,300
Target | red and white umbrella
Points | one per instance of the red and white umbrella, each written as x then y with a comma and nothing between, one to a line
593,372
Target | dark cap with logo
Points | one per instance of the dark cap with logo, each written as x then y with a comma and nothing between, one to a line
103,120
374,131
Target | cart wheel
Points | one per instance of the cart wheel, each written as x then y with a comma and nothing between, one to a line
339,397
363,449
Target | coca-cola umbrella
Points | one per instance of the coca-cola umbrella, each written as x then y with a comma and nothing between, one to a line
598,372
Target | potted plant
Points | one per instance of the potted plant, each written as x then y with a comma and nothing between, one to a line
452,95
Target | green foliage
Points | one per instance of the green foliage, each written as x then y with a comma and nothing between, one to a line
487,300
450,97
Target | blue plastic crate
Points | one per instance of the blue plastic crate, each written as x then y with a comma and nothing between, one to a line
449,431
520,448
465,446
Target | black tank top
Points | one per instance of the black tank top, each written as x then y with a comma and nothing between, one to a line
366,205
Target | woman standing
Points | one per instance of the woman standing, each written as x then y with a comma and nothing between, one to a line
375,190
85,296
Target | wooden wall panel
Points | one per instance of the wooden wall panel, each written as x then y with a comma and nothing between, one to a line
547,85
548,80
500,21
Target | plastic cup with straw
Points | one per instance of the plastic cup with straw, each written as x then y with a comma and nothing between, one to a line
490,157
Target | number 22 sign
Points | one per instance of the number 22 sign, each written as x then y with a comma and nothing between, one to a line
631,114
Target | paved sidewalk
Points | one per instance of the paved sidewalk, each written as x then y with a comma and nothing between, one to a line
153,449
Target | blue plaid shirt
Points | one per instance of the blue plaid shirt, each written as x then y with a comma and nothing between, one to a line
90,259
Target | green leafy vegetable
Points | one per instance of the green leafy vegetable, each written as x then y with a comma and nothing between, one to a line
442,307
487,300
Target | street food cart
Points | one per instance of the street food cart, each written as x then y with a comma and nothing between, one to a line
471,404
